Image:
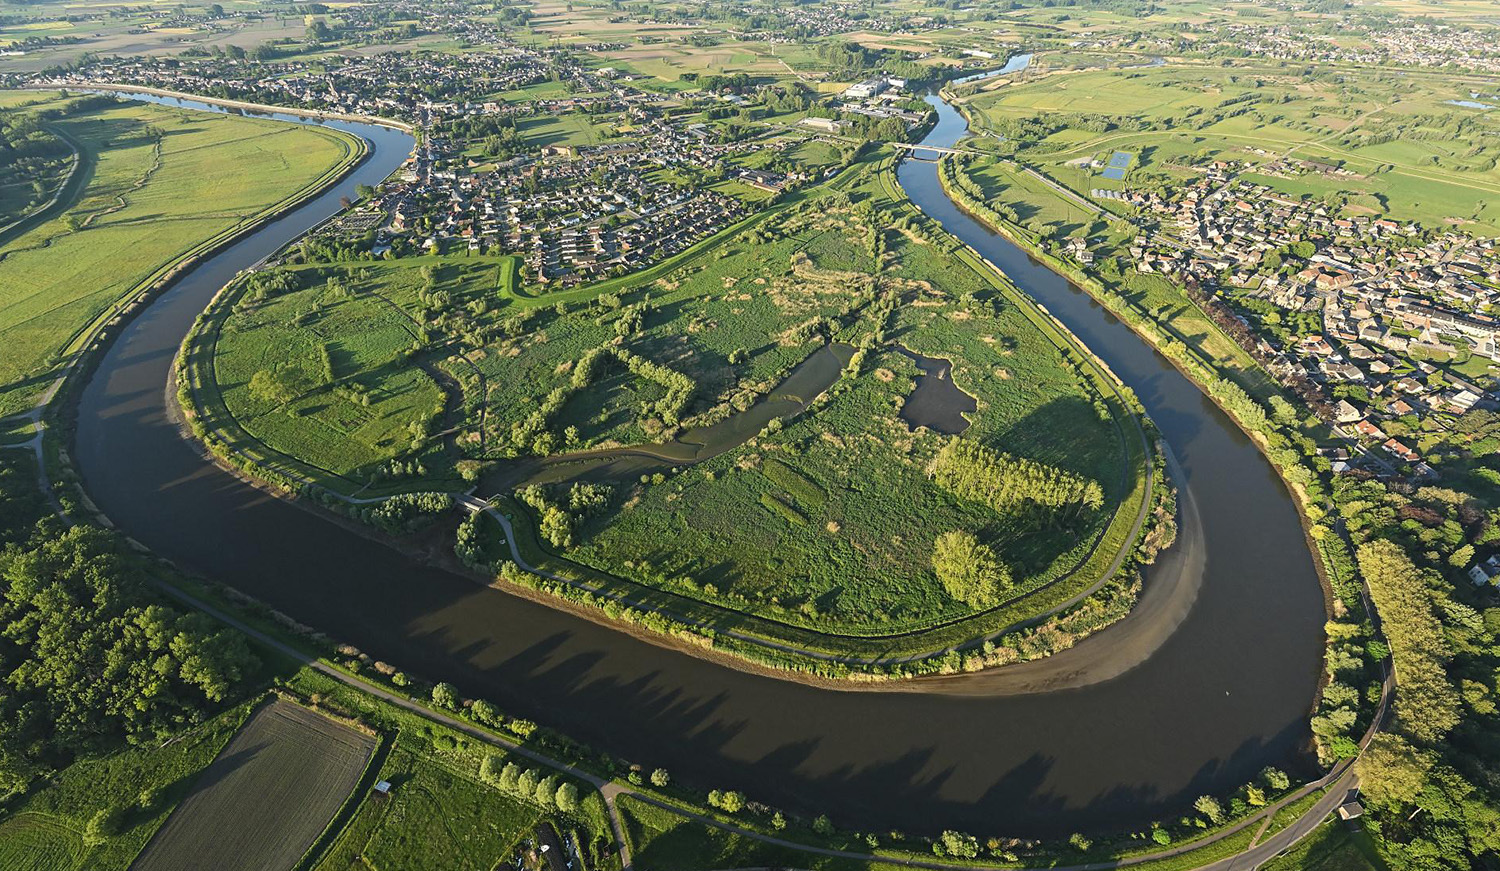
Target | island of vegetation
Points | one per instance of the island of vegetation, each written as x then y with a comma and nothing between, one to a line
721,435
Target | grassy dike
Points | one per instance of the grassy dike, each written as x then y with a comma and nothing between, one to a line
140,210
1099,589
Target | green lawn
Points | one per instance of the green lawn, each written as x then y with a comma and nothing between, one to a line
162,182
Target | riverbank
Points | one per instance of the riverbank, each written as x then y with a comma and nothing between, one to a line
1091,759
261,108
1343,596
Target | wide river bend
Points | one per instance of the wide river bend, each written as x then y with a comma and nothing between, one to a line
1224,694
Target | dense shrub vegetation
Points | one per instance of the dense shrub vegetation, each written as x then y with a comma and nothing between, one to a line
971,471
89,655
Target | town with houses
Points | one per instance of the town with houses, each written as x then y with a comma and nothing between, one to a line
1389,301
1412,44
574,211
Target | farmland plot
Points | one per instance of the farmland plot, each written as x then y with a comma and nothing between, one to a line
267,796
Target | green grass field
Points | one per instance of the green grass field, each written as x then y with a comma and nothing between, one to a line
367,335
1332,847
435,817
244,786
161,183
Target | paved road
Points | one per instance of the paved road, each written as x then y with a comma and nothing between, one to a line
1271,847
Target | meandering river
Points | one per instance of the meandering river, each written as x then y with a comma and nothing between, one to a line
1200,710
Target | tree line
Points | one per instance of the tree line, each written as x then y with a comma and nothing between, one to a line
975,473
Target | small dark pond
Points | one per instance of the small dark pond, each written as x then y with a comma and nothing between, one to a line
937,403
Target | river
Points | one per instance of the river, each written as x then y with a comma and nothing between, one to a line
1224,694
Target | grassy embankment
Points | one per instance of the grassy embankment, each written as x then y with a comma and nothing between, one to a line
863,565
161,187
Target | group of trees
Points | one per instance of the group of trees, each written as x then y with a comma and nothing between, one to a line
975,473
405,512
30,156
1426,701
532,435
557,521
537,786
91,656
969,569
848,60
270,283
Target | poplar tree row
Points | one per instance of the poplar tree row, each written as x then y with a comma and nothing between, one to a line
975,473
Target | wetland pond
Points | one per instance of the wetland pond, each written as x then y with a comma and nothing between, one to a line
937,403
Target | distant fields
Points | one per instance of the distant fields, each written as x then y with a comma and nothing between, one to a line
1436,168
160,183
267,796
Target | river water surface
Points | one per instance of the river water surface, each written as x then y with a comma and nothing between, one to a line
1224,694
